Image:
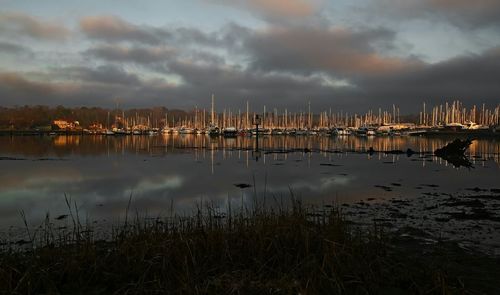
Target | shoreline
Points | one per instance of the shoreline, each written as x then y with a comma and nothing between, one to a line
437,133
469,220
284,250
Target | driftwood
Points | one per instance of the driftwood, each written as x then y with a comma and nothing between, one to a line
454,152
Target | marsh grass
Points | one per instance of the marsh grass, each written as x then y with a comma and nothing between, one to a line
282,249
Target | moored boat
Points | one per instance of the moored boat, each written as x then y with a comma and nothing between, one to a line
230,132
213,130
186,130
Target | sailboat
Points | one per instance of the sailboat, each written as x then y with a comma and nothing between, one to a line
186,130
230,132
108,131
213,130
166,129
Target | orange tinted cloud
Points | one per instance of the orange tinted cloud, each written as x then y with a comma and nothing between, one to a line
292,8
272,9
112,28
96,24
462,13
19,25
16,84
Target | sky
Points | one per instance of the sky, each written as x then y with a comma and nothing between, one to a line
352,55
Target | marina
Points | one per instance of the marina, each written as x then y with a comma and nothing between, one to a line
447,119
250,147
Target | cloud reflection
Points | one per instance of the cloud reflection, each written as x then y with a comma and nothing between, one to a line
100,177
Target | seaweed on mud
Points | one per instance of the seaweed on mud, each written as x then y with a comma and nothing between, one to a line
242,185
385,188
475,214
330,165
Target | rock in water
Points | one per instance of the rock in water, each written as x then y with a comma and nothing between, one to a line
454,152
455,147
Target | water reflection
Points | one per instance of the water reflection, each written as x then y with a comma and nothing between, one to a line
66,146
100,173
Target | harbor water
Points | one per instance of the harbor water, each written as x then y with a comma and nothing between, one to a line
175,172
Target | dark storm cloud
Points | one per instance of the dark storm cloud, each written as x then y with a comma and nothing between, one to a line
18,25
184,35
154,59
338,51
309,49
292,65
472,78
13,49
82,86
233,86
277,66
112,28
462,13
14,89
200,75
105,74
141,55
205,57
186,44
100,86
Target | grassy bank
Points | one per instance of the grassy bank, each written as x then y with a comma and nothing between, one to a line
261,251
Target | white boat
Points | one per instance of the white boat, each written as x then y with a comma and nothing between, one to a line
213,130
365,131
341,131
469,125
262,131
454,126
362,131
417,132
186,130
277,131
323,131
300,132
230,132
120,131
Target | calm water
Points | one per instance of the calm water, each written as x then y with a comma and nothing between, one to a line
100,173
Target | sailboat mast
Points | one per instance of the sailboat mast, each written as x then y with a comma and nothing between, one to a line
309,116
248,122
212,112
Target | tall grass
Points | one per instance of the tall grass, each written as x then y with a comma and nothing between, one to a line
290,249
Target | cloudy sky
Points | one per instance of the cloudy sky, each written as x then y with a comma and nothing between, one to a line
346,54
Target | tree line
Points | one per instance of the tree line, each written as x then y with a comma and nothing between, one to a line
32,117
